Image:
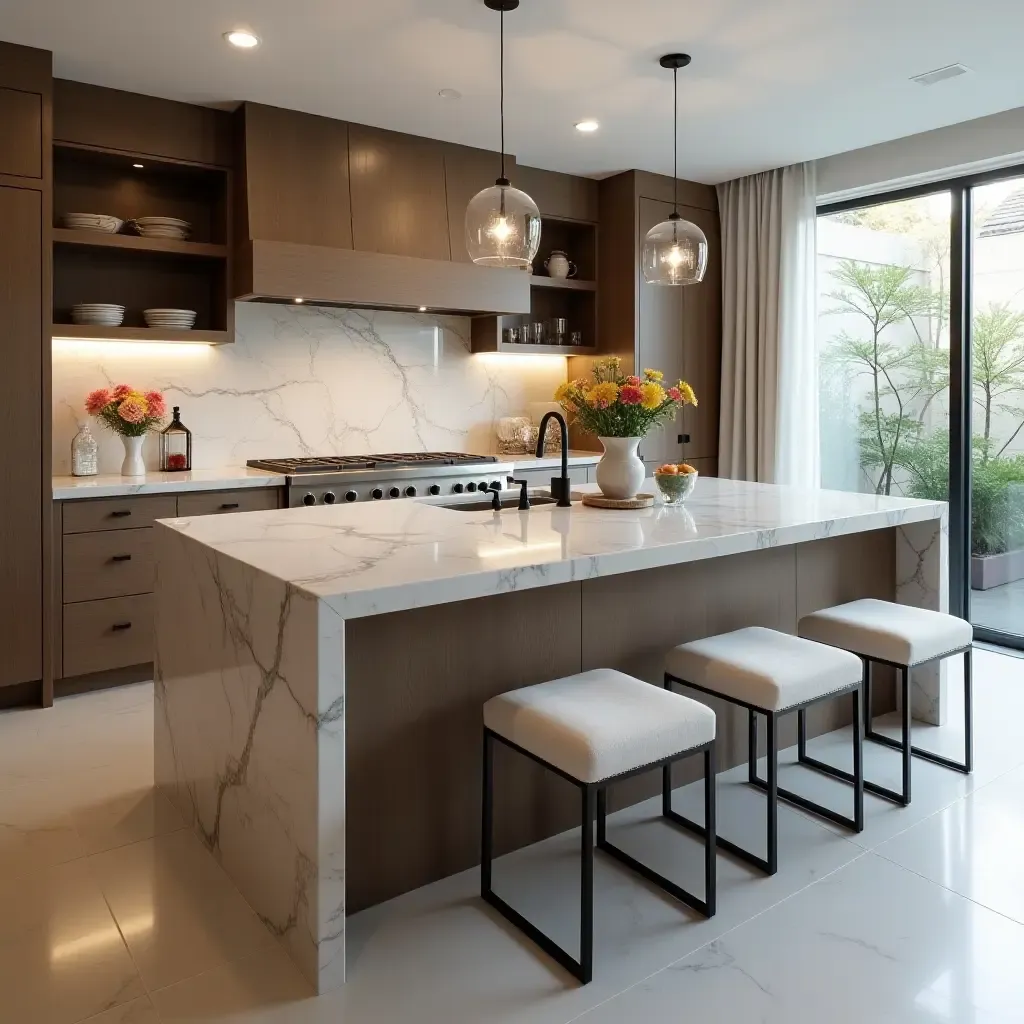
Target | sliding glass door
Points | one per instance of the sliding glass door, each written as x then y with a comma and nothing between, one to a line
921,370
997,438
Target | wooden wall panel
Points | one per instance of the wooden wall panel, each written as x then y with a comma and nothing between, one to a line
566,196
297,177
691,193
22,259
21,140
466,172
398,194
90,115
416,683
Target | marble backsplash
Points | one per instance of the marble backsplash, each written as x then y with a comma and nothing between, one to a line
309,381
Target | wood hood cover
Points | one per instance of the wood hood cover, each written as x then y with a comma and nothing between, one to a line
282,271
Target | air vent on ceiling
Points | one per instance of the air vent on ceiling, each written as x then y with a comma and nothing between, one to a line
940,74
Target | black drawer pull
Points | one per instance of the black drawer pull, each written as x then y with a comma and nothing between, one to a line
121,558
118,626
120,513
229,504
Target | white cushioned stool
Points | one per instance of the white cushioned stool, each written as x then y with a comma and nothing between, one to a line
595,729
904,638
771,674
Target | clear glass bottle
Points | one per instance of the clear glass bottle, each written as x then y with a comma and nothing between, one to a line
84,453
175,445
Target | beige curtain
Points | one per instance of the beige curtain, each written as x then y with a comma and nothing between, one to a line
769,418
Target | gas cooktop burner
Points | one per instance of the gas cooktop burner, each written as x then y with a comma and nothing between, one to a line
340,463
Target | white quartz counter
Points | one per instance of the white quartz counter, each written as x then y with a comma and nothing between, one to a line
576,458
112,485
379,557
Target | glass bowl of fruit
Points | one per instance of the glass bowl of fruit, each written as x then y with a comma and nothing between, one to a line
676,482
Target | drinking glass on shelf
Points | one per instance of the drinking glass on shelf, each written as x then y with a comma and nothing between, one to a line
537,333
558,329
576,338
513,335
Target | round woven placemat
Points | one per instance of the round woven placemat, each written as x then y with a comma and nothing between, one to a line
600,501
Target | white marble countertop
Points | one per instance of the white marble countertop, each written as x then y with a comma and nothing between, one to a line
377,557
576,458
113,485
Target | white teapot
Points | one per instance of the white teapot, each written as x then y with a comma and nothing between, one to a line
559,266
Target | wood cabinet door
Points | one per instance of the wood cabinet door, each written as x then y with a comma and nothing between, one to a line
21,453
21,140
466,172
398,194
660,343
297,178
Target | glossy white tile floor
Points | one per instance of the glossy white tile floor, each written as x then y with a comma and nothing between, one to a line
110,912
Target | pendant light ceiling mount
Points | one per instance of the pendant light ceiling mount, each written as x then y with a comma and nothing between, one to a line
675,251
502,222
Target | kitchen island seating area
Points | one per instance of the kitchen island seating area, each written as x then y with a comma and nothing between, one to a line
595,729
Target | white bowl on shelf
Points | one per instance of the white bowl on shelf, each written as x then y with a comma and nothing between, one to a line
97,314
103,222
170,319
163,227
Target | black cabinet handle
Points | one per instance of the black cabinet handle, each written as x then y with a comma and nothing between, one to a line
121,558
229,504
120,513
118,626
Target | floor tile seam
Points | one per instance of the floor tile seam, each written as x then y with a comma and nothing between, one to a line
946,888
718,938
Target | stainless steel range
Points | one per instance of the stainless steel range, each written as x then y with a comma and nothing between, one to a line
338,478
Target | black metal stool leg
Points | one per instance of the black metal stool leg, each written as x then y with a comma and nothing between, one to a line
487,816
710,834
773,793
751,746
587,886
969,710
868,702
908,746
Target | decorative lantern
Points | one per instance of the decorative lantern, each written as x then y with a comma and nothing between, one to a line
175,445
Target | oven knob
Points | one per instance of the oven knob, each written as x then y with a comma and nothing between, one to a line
376,494
395,492
470,486
309,499
434,489
351,496
410,492
457,489
482,485
495,485
330,497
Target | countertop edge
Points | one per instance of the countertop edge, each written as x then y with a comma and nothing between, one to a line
67,488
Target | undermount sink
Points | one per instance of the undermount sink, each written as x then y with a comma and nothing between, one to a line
482,505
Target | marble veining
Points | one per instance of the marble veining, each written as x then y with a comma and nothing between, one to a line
305,381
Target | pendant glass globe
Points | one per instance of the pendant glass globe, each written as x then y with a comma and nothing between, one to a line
675,252
502,227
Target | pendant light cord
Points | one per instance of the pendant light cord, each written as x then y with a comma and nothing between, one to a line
501,63
675,140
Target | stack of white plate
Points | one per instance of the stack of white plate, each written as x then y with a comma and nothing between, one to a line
97,314
170,319
163,227
93,222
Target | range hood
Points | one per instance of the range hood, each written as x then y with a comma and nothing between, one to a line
272,271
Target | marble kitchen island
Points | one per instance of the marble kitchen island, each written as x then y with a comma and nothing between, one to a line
320,671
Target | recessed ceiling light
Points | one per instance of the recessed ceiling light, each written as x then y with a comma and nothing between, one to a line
242,38
450,94
138,167
587,126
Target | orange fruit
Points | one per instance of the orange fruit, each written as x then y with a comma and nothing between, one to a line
685,467
667,470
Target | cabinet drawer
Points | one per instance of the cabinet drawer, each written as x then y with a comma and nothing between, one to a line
209,503
101,635
114,563
118,513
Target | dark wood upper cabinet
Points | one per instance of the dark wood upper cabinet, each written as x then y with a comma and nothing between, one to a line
22,263
296,173
563,196
466,172
21,140
399,204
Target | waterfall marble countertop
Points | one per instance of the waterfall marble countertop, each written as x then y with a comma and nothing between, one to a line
372,558
113,485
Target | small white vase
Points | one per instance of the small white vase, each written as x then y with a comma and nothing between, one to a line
620,473
133,464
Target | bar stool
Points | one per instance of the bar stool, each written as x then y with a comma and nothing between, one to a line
903,637
771,674
595,729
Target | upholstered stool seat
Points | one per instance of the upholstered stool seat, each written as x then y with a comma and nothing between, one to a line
903,637
595,729
769,673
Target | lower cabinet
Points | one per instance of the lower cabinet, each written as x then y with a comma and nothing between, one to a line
104,572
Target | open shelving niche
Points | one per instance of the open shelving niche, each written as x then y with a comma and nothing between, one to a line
574,299
135,272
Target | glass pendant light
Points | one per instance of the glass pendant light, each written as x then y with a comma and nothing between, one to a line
502,222
676,250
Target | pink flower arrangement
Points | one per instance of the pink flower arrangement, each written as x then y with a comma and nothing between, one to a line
633,380
630,394
675,394
125,410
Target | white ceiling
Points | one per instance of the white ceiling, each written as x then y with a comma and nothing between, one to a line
772,81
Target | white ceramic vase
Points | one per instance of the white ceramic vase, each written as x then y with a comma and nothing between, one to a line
620,473
133,464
